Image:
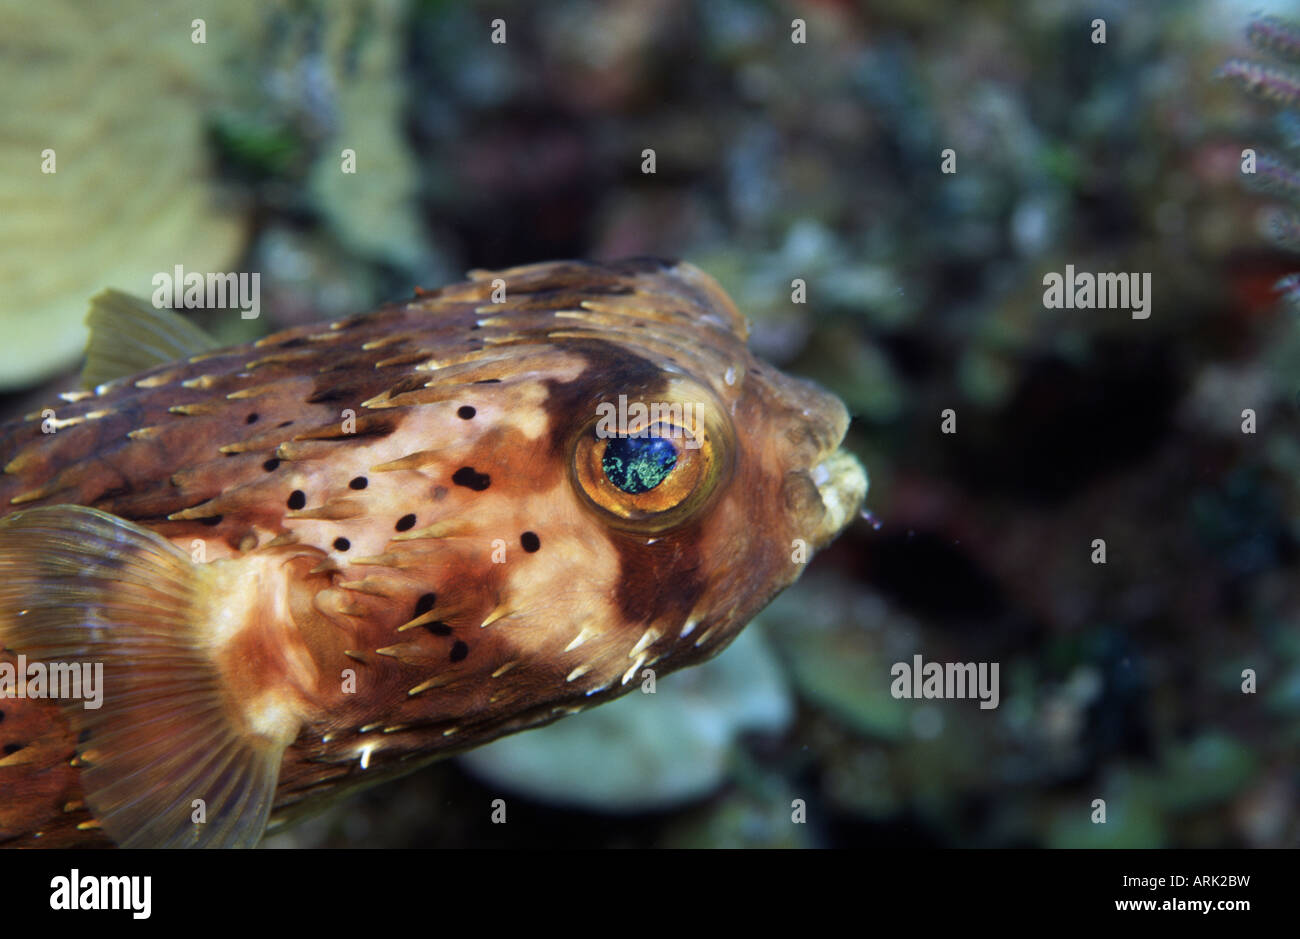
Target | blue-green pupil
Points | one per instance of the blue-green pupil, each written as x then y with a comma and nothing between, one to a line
638,464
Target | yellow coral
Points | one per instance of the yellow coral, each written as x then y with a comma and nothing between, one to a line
118,92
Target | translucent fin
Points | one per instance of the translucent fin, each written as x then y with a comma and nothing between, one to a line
129,335
81,586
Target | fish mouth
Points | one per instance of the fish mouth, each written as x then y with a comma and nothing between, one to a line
842,484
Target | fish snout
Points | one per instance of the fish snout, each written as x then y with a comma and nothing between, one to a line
842,484
826,485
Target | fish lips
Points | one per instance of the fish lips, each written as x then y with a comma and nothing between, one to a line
842,484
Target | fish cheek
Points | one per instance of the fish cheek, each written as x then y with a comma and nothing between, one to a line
748,539
660,581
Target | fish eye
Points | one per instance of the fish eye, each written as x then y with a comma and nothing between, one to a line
638,464
652,474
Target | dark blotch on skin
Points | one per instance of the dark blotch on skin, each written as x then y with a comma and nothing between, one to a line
297,499
405,523
341,544
608,366
211,521
467,477
465,412
643,569
359,483
425,604
488,381
11,748
251,419
530,541
439,629
458,651
271,465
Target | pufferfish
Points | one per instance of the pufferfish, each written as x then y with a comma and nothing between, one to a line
327,557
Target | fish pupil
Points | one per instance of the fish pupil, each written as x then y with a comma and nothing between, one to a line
638,464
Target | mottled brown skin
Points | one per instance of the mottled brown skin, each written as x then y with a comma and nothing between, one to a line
211,450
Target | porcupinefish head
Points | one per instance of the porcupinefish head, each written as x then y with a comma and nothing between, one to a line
555,478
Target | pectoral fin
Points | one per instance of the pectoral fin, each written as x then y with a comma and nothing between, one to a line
167,745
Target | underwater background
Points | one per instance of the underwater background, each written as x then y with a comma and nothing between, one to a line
778,160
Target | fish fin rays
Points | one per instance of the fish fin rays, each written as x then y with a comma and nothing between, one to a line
129,335
164,747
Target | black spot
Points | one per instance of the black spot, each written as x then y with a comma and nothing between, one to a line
211,521
405,523
475,326
341,544
251,419
467,477
297,499
425,604
84,735
439,629
488,381
284,424
530,541
359,483
458,651
271,464
465,412
11,748
2,717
